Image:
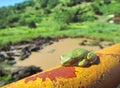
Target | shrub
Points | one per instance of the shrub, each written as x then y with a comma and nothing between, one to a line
32,24
71,2
52,3
63,15
43,3
88,16
22,22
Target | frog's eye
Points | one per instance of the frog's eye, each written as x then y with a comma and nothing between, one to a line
91,56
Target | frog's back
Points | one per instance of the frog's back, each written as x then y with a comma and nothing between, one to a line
80,52
77,53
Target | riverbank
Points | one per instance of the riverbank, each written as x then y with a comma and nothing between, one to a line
49,56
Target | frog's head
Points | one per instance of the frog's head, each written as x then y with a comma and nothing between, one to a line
65,60
91,57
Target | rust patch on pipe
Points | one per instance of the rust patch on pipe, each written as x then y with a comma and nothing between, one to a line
62,72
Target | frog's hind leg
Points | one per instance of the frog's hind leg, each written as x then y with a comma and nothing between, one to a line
83,63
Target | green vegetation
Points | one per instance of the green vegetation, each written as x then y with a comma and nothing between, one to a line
4,77
59,18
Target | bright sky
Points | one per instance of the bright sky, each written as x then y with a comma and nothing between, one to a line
9,2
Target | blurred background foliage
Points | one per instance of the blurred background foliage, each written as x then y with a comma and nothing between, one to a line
60,16
64,11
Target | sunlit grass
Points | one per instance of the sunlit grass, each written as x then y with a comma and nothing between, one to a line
95,30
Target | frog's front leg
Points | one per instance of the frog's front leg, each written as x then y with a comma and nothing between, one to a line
83,63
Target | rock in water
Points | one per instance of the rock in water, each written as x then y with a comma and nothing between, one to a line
4,55
14,73
21,72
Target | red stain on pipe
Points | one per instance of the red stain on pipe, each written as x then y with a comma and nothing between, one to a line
62,72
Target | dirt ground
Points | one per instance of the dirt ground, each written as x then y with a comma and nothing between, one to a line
50,56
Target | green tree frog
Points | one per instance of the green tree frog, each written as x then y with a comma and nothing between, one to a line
78,57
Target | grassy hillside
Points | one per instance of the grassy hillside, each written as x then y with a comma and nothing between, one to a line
59,18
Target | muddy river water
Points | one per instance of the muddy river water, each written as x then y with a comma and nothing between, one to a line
50,56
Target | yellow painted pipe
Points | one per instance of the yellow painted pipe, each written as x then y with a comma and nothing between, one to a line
103,75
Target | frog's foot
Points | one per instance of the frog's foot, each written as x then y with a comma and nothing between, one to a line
95,61
83,63
92,57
